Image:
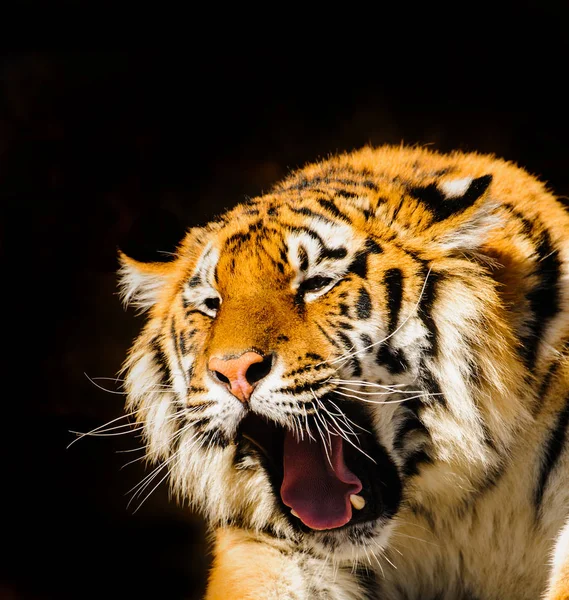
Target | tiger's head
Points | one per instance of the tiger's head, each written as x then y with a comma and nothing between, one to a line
323,355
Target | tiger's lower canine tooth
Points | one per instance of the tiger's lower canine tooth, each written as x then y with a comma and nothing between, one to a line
357,502
294,514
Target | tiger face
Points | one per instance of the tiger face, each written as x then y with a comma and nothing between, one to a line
269,334
336,351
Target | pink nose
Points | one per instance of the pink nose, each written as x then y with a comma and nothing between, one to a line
241,374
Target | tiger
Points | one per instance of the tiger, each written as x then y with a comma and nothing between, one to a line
360,380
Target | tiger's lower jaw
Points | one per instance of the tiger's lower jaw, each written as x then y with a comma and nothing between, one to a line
331,490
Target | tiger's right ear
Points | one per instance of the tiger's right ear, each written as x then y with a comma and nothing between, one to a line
140,283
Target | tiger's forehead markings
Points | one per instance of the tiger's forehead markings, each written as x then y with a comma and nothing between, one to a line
309,251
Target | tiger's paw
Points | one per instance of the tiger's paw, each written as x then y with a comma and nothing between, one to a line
245,568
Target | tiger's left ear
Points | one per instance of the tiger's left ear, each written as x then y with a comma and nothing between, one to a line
140,283
462,212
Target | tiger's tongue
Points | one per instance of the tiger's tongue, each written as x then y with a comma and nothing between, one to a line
316,487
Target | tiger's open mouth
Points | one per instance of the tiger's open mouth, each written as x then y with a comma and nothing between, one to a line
325,481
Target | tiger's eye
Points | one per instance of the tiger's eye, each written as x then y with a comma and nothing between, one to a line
313,284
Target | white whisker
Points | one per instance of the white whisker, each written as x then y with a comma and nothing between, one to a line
346,419
367,383
139,449
81,435
101,434
422,395
348,389
323,441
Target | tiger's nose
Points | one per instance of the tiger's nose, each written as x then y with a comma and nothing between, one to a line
241,375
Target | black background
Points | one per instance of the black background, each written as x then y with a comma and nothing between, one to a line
101,150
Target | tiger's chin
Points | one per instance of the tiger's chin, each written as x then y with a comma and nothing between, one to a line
336,488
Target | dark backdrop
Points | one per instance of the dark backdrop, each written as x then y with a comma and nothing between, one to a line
127,149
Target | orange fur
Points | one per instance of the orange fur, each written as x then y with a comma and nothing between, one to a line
247,569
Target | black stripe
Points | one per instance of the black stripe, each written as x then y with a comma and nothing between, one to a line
363,304
306,368
373,247
412,422
432,386
359,264
414,461
442,207
325,251
349,346
303,257
546,382
182,343
553,449
477,187
238,238
303,387
214,437
303,210
397,208
356,366
527,224
175,340
160,356
346,341
426,310
421,511
333,209
328,337
367,342
551,374
367,583
544,299
194,389
392,359
345,193
175,439
335,253
394,288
